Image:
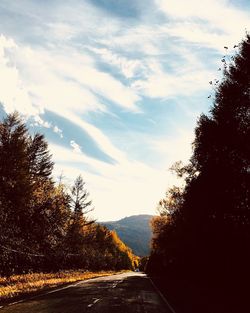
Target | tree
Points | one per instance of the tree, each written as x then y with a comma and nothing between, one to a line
166,233
16,191
50,223
213,224
25,168
43,226
41,165
15,187
217,203
79,198
77,239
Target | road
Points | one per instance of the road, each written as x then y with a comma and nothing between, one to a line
123,293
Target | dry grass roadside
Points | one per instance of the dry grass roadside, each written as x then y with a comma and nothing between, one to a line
18,285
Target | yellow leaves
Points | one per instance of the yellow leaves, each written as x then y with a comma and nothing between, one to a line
172,201
159,222
120,244
134,260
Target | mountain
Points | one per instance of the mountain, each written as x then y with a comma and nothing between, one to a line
134,231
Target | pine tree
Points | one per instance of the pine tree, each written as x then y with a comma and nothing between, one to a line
15,185
77,239
79,198
25,169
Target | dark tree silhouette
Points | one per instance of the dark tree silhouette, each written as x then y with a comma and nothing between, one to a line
207,235
25,165
217,200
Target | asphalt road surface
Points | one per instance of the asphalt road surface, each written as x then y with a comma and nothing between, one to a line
124,293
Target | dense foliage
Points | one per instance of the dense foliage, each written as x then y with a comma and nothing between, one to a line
203,230
44,226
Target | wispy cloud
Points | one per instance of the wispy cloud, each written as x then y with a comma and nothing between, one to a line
160,84
131,82
14,91
118,190
210,22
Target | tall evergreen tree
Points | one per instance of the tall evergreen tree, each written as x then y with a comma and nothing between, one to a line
79,198
25,166
15,184
78,226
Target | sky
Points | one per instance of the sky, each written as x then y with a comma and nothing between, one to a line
116,86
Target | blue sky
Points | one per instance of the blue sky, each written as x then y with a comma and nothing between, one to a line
116,86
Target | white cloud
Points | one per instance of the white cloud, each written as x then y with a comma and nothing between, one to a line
128,67
145,39
126,187
100,138
58,131
62,31
110,88
49,87
58,83
69,80
160,84
175,148
13,94
118,190
215,23
75,146
63,78
40,122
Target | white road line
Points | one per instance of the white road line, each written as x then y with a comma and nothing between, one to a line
16,302
162,296
116,283
49,292
56,290
66,287
94,302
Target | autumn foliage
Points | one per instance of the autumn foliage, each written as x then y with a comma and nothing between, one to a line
44,225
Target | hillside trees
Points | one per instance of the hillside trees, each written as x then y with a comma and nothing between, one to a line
109,251
44,226
134,231
212,228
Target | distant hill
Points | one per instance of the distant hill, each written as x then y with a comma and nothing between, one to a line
134,231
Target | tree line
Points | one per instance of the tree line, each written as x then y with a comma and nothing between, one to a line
203,229
44,225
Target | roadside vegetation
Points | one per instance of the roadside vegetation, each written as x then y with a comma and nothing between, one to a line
22,285
202,234
44,225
